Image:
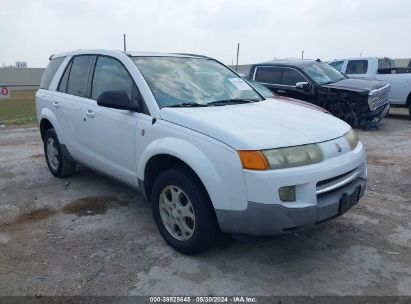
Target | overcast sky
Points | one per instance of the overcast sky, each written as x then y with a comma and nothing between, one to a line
31,30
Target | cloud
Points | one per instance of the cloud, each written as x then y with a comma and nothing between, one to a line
31,30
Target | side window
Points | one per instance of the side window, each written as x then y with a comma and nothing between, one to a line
50,71
64,79
271,75
110,75
357,67
291,77
77,82
337,65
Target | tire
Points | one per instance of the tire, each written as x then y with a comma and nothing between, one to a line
58,160
186,231
409,109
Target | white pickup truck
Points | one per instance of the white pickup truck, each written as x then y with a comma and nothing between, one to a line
381,69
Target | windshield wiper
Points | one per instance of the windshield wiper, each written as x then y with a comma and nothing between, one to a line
186,105
231,101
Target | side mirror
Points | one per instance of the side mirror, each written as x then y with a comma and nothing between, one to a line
117,100
305,86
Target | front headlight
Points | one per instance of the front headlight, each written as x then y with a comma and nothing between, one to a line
352,139
293,156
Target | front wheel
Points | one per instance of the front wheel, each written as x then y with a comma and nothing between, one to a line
183,212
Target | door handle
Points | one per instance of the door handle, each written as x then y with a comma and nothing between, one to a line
56,104
90,113
281,91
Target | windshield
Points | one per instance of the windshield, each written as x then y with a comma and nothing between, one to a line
322,73
260,88
185,81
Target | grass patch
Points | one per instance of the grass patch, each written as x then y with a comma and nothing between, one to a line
19,109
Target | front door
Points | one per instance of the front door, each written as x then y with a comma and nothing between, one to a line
110,134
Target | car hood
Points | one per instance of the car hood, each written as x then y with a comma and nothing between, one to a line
355,84
300,103
260,125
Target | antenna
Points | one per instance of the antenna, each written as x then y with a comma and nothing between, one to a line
302,54
124,43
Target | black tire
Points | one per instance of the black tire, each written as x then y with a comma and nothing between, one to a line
206,227
66,166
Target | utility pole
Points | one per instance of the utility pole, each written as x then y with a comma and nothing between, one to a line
302,54
238,53
124,42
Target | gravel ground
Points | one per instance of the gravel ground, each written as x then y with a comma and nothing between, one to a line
90,235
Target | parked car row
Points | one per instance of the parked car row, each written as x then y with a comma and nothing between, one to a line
209,151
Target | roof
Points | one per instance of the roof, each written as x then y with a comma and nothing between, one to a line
361,58
128,53
295,62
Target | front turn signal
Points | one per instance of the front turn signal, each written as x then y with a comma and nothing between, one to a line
253,160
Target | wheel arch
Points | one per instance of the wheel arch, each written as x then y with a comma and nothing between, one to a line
409,99
48,120
166,153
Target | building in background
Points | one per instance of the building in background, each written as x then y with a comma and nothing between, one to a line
21,78
21,64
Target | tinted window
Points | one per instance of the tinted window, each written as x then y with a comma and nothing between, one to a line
64,79
51,70
385,65
337,65
357,67
77,83
110,75
291,77
268,75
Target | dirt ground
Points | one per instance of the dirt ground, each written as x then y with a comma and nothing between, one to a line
90,235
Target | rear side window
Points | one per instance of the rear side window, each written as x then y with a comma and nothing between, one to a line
357,67
110,75
385,65
50,71
79,72
291,77
64,80
337,65
271,75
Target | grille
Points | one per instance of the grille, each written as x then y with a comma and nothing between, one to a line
379,97
324,187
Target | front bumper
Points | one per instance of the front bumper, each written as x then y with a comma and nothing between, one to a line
372,119
271,219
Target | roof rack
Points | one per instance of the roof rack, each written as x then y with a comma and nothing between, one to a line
189,54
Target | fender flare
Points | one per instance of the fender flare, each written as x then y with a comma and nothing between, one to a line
193,157
49,115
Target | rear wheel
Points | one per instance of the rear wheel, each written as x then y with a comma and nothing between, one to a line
183,211
58,160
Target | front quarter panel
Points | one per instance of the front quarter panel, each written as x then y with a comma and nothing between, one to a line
217,165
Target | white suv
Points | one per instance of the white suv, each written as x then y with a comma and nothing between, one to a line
208,151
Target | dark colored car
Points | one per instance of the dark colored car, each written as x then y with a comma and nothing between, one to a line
359,102
267,93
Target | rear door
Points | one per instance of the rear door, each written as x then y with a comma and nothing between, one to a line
71,94
400,83
282,81
110,134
